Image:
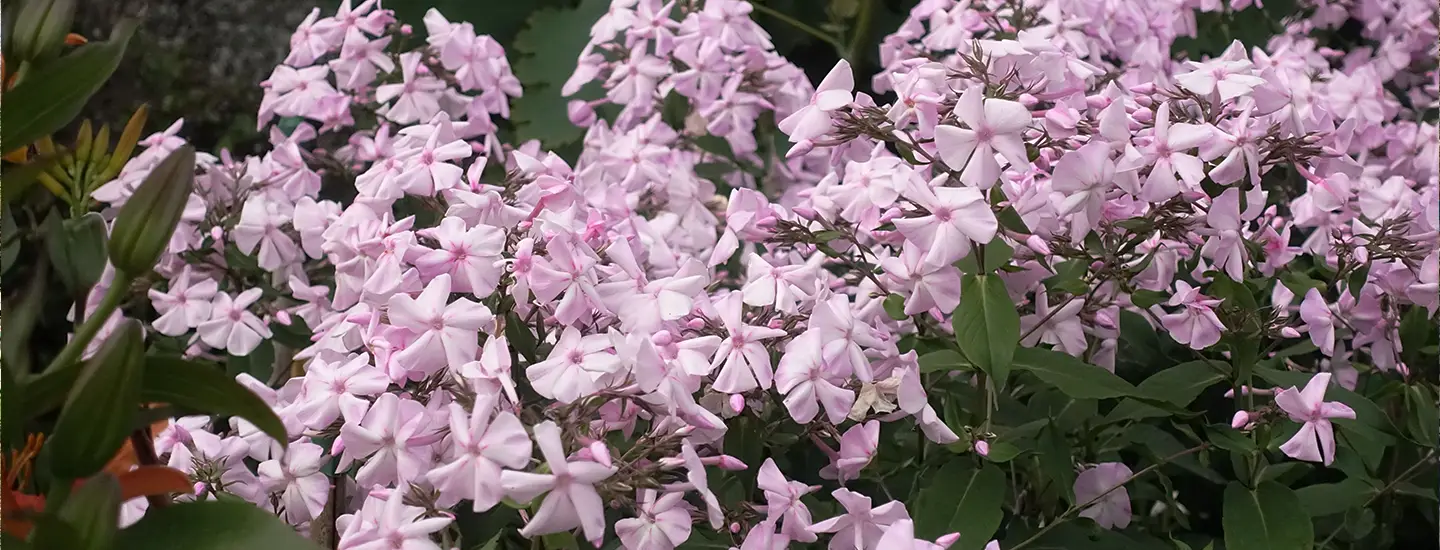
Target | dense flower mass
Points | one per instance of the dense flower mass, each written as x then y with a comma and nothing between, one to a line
685,283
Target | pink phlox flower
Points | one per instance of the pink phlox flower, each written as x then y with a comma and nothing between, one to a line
813,120
1112,511
1167,155
993,126
490,376
1085,177
1195,324
1225,244
844,336
296,475
858,446
416,98
326,382
807,381
184,305
568,269
1062,328
575,366
930,286
232,327
570,497
471,256
783,286
260,224
430,167
900,535
782,502
742,357
860,527
662,522
1315,442
952,219
446,331
393,525
390,439
481,443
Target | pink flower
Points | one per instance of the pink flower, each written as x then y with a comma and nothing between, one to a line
389,440
662,523
445,333
932,286
396,526
1085,176
1195,324
1225,245
813,120
744,362
1167,155
857,448
782,501
900,535
325,383
1319,321
470,255
953,218
1315,442
260,223
297,475
844,337
570,500
993,126
416,98
432,167
1113,510
574,367
860,527
481,445
807,381
1062,328
184,305
231,326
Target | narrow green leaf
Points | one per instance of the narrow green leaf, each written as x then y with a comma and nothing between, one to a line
1177,385
1269,517
49,99
962,499
1056,462
944,361
211,525
93,510
1229,439
97,414
1072,376
205,388
1323,499
1157,443
987,327
1423,423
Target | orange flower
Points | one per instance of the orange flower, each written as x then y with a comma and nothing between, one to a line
17,509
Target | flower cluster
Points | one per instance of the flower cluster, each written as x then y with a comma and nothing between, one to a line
468,302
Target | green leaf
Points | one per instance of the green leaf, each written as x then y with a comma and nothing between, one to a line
1069,277
76,248
1146,298
1323,499
1269,517
944,361
548,47
98,411
1001,452
1157,443
211,525
93,511
1177,385
962,499
260,362
1422,421
1230,439
987,327
998,253
47,100
205,388
1010,219
1072,376
18,179
895,307
1056,462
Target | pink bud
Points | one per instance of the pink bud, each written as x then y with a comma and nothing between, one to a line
684,431
671,462
1144,116
1097,102
600,452
737,403
806,213
477,147
1105,318
696,323
1289,332
731,463
337,447
1362,255
216,233
1097,265
1240,420
581,113
200,487
1028,100
1143,89
282,317
735,527
406,30
891,214
663,338
775,323
982,447
800,149
1038,245
947,540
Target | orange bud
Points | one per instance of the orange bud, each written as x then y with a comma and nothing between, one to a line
73,39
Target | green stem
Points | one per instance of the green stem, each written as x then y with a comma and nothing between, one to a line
860,32
1076,509
87,331
807,29
1406,475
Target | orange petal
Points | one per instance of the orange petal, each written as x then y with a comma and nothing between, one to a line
153,480
18,156
73,39
123,460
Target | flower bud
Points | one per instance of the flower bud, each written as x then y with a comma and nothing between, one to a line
731,463
39,30
1289,332
1240,420
947,541
1144,116
1106,319
1143,89
581,113
1028,100
200,487
800,149
737,403
982,447
1097,102
600,452
147,220
806,212
735,527
662,338
696,323
282,317
407,30
1038,245
1362,255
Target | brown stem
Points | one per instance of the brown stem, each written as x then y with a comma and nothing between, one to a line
145,456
